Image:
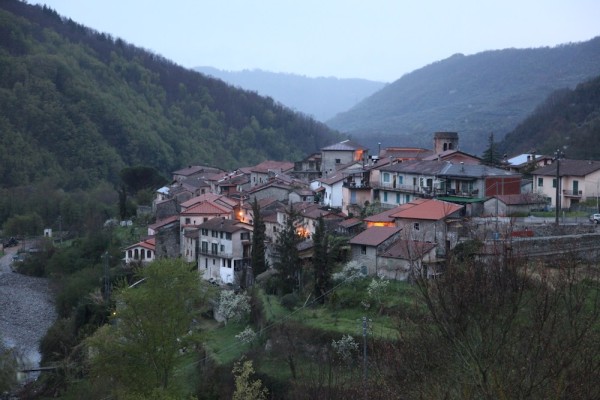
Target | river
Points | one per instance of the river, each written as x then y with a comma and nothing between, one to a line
26,311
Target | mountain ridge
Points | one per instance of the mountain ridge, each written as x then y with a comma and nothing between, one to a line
77,106
319,97
474,95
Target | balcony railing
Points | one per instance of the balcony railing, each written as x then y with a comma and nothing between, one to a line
355,185
572,193
220,254
426,190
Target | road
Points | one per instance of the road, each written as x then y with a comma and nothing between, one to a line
26,310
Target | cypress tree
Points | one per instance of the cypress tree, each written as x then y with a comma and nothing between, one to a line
259,264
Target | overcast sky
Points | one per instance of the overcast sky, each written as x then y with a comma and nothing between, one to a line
371,39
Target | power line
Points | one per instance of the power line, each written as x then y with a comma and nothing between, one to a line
281,319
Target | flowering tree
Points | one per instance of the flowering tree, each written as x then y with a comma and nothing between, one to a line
233,306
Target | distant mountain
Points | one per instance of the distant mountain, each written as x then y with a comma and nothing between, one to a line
77,106
568,120
321,98
489,92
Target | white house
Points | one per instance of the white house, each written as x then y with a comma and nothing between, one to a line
143,252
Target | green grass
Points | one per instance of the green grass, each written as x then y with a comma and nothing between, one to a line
222,344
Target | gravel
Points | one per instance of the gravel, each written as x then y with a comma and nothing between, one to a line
26,311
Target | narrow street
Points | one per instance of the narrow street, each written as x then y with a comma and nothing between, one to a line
26,310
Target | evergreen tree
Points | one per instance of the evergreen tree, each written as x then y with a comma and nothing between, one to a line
286,251
259,264
321,262
491,156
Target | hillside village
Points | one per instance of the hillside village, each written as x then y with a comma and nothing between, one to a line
400,208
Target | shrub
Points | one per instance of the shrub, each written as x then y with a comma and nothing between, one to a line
290,301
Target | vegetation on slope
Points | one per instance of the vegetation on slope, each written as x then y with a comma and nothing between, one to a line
78,106
568,120
474,95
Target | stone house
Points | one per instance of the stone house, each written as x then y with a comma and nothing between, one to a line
224,249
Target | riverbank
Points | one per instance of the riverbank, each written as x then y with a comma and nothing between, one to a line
26,311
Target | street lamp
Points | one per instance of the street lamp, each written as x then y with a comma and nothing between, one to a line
558,154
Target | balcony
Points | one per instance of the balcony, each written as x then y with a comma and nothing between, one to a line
219,254
572,193
355,185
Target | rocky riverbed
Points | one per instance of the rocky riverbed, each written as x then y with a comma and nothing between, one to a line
26,311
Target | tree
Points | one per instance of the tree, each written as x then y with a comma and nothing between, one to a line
286,251
233,306
139,351
8,369
491,156
259,264
321,262
141,177
245,388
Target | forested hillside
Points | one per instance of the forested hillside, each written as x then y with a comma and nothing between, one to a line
568,120
77,106
322,97
489,92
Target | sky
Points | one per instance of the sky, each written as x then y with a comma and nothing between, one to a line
378,40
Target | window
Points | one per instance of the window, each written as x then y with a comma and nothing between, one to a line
245,236
204,247
554,182
540,182
214,248
384,196
397,198
148,254
416,226
338,161
274,229
228,236
222,248
221,234
386,177
400,179
204,232
215,234
187,221
205,219
363,249
129,254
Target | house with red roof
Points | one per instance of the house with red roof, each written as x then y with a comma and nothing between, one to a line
141,252
261,173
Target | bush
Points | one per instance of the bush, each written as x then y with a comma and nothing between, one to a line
290,301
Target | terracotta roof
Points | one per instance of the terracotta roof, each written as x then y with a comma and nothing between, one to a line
404,153
408,249
222,200
333,179
206,208
164,222
149,244
430,209
270,165
224,225
569,168
375,236
386,216
350,222
449,154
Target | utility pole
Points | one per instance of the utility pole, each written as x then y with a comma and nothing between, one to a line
106,279
557,156
364,326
